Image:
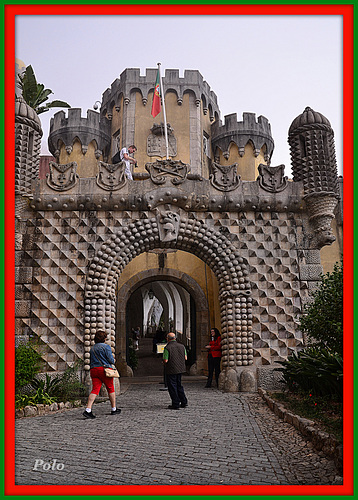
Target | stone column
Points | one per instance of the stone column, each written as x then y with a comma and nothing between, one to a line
195,134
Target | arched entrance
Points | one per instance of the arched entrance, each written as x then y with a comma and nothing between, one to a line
170,230
196,315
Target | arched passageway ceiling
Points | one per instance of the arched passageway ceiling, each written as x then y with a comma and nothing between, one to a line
172,296
168,230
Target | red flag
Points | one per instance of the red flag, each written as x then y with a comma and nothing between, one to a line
156,107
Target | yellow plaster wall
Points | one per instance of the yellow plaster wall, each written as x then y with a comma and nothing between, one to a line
86,163
247,164
177,116
331,254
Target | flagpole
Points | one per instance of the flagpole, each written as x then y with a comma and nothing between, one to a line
164,113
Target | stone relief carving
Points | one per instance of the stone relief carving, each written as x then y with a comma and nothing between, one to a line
320,208
161,170
168,224
156,141
111,177
62,177
224,178
272,179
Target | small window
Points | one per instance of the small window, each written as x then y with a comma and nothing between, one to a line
116,146
206,145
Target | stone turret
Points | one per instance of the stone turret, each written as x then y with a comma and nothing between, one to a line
311,140
257,134
74,137
28,135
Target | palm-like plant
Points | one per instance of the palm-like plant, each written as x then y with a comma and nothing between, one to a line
35,94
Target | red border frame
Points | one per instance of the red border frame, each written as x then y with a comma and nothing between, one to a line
346,11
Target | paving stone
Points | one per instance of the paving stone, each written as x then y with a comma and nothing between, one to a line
220,438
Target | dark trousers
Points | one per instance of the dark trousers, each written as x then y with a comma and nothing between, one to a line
176,390
213,365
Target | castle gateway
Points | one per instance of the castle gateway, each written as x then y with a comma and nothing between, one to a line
213,236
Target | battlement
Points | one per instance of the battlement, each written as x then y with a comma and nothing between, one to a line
131,80
86,129
75,119
247,125
258,132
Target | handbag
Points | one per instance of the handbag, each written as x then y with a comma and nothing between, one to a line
111,372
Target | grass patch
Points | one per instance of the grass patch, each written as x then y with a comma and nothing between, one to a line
327,413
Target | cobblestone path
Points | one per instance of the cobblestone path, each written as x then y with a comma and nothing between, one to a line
219,439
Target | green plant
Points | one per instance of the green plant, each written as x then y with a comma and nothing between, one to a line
68,387
35,94
40,397
314,370
323,318
27,360
48,385
324,410
64,387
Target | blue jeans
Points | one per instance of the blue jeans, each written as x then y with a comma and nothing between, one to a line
176,390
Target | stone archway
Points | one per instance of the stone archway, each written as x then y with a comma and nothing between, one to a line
181,278
169,230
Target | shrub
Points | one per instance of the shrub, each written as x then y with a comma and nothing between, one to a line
41,397
323,318
314,370
27,361
64,387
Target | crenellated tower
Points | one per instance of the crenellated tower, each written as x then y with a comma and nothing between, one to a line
247,143
81,140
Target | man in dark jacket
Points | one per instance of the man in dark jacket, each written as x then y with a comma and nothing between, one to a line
174,356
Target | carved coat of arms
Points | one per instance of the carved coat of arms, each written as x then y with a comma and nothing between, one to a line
62,177
111,177
272,179
224,177
156,141
161,170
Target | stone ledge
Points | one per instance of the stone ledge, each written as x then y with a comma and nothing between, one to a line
322,441
34,411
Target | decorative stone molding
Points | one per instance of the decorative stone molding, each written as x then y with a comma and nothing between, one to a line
272,179
224,178
111,177
191,236
320,207
62,177
162,170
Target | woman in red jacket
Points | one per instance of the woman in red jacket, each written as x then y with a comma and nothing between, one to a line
214,356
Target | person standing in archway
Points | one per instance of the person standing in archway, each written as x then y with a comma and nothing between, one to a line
174,357
214,356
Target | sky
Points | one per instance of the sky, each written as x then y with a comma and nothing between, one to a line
273,66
